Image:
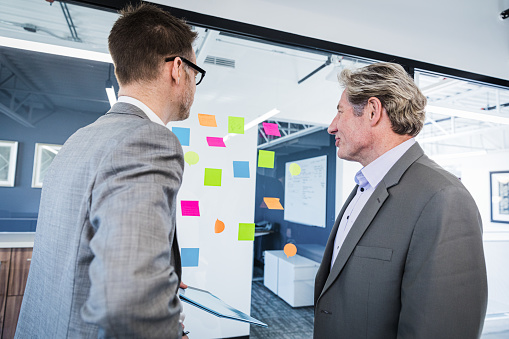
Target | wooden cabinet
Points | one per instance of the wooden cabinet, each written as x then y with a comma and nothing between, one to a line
14,266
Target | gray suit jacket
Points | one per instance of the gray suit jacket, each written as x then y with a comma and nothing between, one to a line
412,266
106,262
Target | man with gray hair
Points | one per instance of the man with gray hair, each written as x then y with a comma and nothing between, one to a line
405,257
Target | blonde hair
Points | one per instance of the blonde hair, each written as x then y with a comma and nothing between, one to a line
395,89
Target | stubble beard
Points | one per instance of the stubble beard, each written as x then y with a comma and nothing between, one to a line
187,102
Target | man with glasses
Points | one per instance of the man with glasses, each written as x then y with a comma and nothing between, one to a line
106,261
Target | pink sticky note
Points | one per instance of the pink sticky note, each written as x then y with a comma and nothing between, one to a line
190,208
271,129
215,142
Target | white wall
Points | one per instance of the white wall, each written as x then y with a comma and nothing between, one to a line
225,263
466,35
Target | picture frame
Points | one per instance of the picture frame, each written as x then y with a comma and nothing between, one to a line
44,155
499,190
8,157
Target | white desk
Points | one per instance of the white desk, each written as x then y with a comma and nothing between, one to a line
16,239
292,279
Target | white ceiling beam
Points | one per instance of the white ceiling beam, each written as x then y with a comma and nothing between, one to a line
439,86
453,112
470,132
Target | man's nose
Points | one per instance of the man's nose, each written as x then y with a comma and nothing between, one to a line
332,127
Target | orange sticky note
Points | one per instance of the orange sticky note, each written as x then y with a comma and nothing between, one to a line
219,227
207,120
273,203
290,250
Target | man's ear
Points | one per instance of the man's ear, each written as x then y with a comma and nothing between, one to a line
177,69
375,110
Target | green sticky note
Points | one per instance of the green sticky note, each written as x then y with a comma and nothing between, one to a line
266,159
212,177
236,125
246,231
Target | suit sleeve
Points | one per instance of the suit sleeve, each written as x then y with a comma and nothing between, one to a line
444,286
133,284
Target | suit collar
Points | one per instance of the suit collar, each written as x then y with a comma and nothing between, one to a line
126,108
366,216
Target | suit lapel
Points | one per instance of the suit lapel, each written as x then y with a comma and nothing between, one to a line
324,269
366,215
358,228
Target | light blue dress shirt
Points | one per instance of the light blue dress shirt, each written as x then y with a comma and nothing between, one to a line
367,180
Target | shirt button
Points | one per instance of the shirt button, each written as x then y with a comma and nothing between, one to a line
362,189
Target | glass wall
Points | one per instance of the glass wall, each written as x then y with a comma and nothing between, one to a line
53,73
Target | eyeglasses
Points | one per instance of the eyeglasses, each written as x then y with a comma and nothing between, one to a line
201,71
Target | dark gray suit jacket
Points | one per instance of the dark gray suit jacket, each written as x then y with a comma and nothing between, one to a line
106,262
412,266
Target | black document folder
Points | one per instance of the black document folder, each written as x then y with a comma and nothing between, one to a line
212,304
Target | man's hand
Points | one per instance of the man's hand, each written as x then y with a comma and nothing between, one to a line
182,315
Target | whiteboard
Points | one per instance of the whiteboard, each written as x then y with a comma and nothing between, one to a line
305,194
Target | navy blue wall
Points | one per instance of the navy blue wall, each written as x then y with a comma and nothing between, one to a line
22,201
271,184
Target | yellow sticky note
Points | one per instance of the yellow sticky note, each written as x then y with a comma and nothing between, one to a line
207,120
266,159
191,158
236,125
246,231
294,169
273,203
212,177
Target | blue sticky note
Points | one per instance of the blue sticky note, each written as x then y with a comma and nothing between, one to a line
241,169
182,134
189,257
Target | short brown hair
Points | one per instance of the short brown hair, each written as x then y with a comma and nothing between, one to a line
395,89
140,39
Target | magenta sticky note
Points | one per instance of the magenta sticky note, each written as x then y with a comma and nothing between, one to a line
215,142
271,129
190,208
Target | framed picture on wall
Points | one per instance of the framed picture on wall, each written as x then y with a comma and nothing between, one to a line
44,155
499,188
8,156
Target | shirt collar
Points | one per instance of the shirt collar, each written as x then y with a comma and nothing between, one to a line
374,172
150,114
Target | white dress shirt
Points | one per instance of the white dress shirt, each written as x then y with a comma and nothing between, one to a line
148,112
368,179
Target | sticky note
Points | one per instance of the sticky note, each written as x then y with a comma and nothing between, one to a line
182,134
294,169
219,226
241,169
266,159
271,129
190,257
207,120
236,125
215,142
273,203
190,208
290,250
212,177
246,231
191,158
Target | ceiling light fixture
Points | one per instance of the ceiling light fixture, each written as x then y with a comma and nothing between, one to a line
110,91
55,49
453,112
